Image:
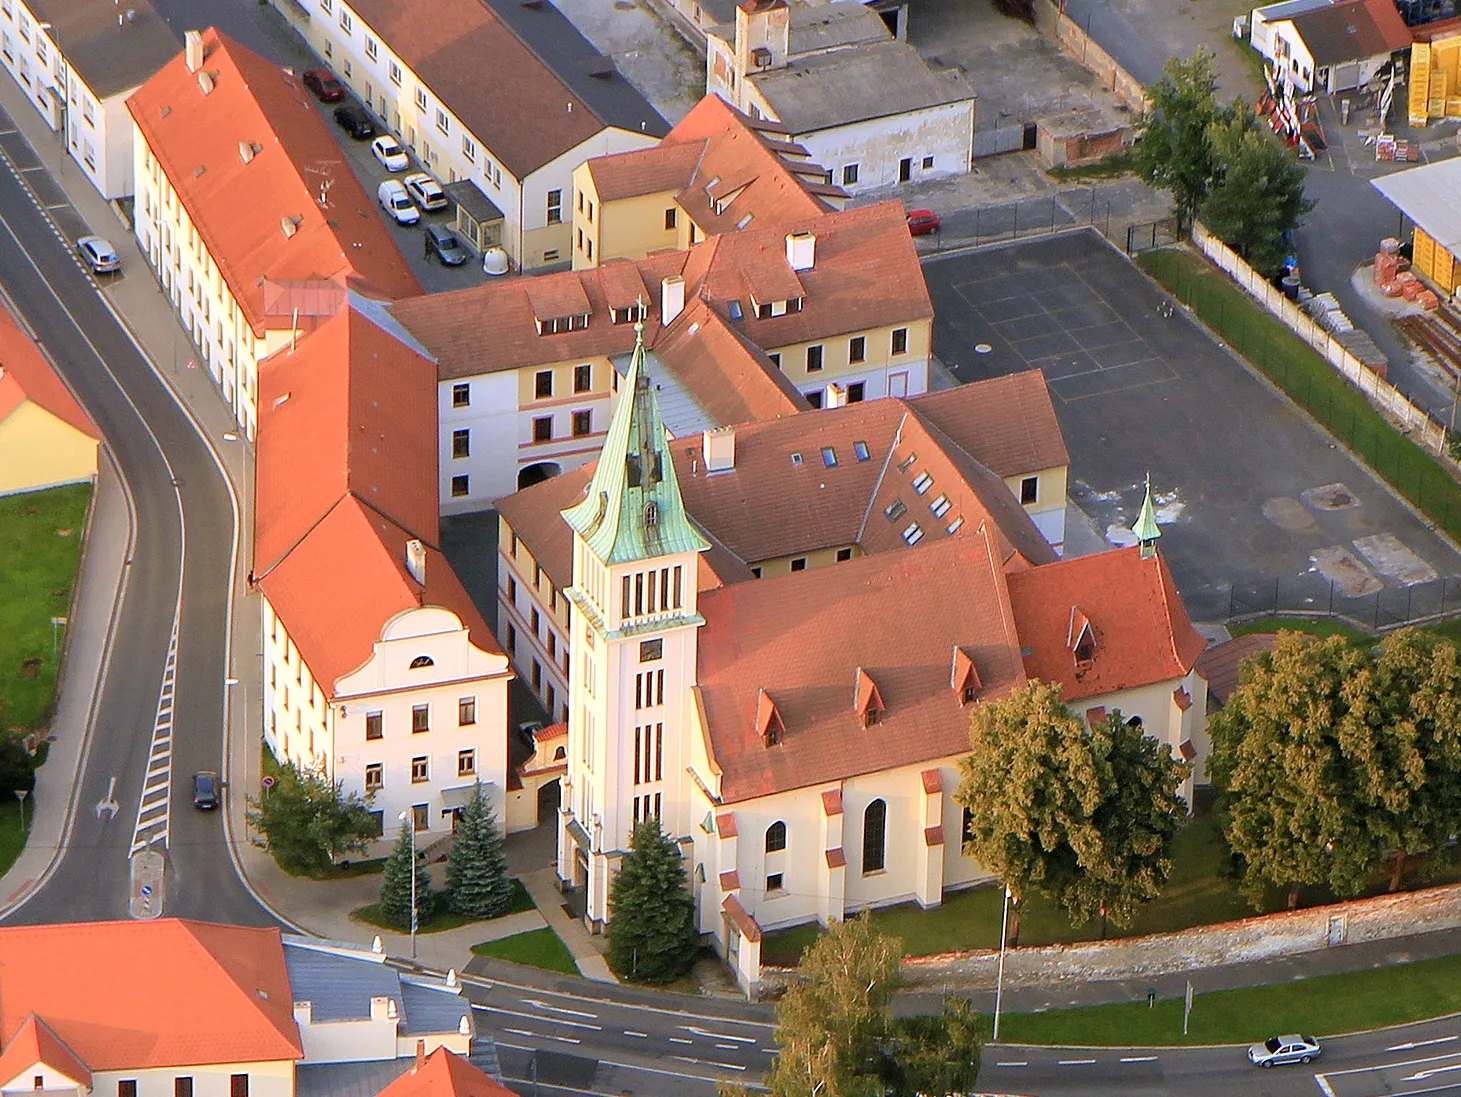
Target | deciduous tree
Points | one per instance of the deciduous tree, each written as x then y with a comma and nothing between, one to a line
477,883
652,934
1257,193
307,821
1174,150
938,1053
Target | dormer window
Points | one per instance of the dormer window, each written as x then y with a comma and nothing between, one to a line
624,316
555,325
1081,638
651,514
867,700
965,681
422,661
769,725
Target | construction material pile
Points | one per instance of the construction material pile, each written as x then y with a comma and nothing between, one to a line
1395,278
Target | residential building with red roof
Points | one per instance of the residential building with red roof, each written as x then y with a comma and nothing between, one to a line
717,171
248,212
508,144
146,1007
819,311
445,1074
46,438
380,672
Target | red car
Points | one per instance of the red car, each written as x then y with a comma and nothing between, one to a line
921,222
324,85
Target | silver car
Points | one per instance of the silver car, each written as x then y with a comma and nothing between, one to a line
1277,1050
99,255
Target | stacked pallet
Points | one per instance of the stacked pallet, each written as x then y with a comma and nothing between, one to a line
1435,80
1395,278
1420,84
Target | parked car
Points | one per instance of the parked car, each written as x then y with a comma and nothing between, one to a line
1284,1049
205,790
323,84
352,118
98,254
443,243
495,261
388,151
396,202
921,222
426,191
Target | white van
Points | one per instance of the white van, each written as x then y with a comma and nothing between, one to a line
397,203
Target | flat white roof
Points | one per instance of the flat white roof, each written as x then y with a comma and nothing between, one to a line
1429,195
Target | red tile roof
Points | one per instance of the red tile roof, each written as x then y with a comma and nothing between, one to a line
138,995
668,166
26,375
445,1074
1010,428
743,921
836,858
239,207
776,635
1142,632
36,1045
1221,664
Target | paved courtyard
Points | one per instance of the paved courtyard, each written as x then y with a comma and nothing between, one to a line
1255,502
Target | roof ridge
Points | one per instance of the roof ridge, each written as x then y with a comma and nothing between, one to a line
882,475
1002,596
251,996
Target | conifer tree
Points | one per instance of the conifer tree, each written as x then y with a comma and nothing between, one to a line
652,934
395,886
477,884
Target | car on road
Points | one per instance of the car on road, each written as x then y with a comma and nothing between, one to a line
388,151
323,84
205,790
352,118
495,261
443,243
395,201
1277,1050
426,191
98,254
921,222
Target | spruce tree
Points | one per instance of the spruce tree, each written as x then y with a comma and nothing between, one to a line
652,934
395,886
477,884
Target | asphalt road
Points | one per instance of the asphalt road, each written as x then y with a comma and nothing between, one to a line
1417,1059
174,483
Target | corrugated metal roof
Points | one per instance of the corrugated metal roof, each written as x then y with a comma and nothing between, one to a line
1430,196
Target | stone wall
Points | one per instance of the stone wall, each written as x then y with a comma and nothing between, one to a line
1054,23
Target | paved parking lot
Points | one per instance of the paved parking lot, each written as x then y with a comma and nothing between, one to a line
1250,492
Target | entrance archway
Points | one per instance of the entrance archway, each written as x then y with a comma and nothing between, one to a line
536,474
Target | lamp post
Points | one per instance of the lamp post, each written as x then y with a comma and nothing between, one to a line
1004,916
20,794
410,820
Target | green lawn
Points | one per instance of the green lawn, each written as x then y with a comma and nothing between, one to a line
1321,627
538,947
1309,381
40,545
1325,1004
12,838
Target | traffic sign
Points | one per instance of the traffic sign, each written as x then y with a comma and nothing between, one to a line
148,884
147,891
267,782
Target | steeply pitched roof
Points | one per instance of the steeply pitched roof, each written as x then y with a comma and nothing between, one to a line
1006,423
1141,629
633,510
110,55
26,375
36,1045
1352,30
137,995
450,44
802,637
1222,663
295,171
445,1074
666,167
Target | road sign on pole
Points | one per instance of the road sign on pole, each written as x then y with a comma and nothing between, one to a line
267,782
1187,1009
147,884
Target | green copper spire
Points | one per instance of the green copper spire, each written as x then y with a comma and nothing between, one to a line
633,510
1146,529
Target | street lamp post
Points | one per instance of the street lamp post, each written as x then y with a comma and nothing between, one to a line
410,820
20,795
1004,917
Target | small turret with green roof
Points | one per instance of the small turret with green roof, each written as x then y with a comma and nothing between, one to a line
1146,529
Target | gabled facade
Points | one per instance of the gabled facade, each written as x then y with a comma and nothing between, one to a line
77,61
515,139
46,438
251,219
860,101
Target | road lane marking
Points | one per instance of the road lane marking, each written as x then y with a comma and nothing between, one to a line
154,808
536,1017
1074,1062
680,1040
1324,1085
1139,1059
718,1035
636,1035
1392,1066
1413,1044
681,1014
1422,1075
521,1032
708,1062
1014,1063
727,1047
558,1009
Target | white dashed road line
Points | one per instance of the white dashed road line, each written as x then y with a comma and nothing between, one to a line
1139,1059
1074,1062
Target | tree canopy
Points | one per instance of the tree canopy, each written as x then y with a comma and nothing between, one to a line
1257,193
399,885
1174,149
477,883
652,932
307,821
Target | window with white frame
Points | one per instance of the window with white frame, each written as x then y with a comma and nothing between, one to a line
372,48
442,122
421,98
395,74
347,24
469,149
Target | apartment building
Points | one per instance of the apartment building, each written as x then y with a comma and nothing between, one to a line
248,213
77,62
502,100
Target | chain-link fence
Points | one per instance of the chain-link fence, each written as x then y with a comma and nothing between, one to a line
1149,235
1316,596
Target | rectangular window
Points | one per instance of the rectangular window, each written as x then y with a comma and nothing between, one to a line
922,482
469,149
650,650
814,359
829,456
857,392
543,384
857,349
799,564
461,395
327,5
238,1085
374,776
420,769
537,622
1029,489
182,1087
372,48
395,74
555,207
466,711
420,99
900,340
582,423
895,510
346,23
927,163
127,1087
913,534
773,882
420,719
775,360
420,817
374,725
466,763
442,122
849,175
671,218
583,378
940,506
459,486
543,429
814,398
461,444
